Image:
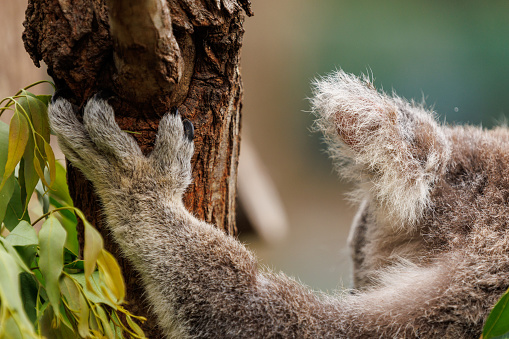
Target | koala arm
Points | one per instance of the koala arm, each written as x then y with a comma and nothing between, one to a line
200,282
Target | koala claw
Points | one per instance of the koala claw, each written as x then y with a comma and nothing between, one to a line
104,94
188,129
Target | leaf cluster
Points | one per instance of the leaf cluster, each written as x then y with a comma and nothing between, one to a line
46,288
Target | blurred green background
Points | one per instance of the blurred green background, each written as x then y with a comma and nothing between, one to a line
455,54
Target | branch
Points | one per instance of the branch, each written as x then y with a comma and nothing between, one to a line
146,52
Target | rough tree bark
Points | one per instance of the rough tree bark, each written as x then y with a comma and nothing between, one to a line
154,55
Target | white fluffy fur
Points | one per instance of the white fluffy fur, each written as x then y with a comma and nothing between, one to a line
381,157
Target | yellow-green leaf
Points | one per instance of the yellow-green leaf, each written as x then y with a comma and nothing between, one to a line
51,262
8,189
50,156
105,322
134,326
92,250
94,295
18,138
71,293
112,275
83,327
10,290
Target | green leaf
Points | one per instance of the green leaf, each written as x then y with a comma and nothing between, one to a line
6,196
27,173
38,111
35,151
8,189
105,321
46,99
71,242
10,290
25,240
14,254
71,292
497,323
18,138
49,330
59,188
22,235
51,241
15,209
93,294
68,220
29,292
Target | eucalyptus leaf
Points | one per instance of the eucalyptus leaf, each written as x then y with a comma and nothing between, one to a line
83,328
92,250
25,241
8,189
10,330
111,274
9,289
32,158
135,327
22,235
14,254
51,242
59,188
29,289
105,321
49,330
497,323
71,292
15,209
18,138
94,294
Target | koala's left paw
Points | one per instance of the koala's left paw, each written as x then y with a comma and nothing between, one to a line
106,155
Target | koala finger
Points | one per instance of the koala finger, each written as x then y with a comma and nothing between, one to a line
99,120
71,134
174,145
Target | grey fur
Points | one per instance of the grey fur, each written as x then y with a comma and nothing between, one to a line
430,243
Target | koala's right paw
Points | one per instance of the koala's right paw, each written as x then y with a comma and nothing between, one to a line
111,158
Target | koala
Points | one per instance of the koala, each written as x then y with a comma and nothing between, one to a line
429,243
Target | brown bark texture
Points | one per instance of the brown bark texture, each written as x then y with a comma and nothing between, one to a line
154,55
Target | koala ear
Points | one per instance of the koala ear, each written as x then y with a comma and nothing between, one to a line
394,148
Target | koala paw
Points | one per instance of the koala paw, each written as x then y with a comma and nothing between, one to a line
111,158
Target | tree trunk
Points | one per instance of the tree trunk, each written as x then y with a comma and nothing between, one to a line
154,56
